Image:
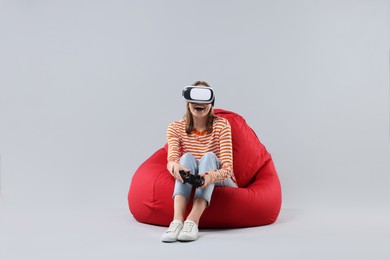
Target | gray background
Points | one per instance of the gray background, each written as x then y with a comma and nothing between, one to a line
87,89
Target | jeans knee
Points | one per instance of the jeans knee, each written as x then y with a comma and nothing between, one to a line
187,156
210,154
209,159
189,162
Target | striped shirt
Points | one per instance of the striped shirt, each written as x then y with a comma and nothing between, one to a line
219,141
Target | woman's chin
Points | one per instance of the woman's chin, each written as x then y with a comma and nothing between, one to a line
199,114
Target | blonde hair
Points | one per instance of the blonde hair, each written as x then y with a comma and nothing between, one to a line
189,118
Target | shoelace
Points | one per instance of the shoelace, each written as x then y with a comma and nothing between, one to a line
188,227
173,227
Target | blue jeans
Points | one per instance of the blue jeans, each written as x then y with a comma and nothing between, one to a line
208,162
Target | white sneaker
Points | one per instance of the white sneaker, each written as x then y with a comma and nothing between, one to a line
189,232
172,232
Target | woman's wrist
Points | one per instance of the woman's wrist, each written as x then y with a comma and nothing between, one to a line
209,176
171,167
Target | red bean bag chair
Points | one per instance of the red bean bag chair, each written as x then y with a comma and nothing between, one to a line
256,202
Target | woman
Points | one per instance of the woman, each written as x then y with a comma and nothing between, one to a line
200,144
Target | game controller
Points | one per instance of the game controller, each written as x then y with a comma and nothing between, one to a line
196,180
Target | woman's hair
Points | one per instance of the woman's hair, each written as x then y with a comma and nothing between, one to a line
189,118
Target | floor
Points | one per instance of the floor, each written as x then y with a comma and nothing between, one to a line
29,231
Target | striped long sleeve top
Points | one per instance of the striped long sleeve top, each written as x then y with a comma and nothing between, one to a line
219,141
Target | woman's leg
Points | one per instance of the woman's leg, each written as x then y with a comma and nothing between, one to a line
179,207
189,232
181,196
198,206
182,192
202,197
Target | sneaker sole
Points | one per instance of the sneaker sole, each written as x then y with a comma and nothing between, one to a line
187,239
165,241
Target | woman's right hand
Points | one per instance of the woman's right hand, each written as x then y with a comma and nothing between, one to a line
175,168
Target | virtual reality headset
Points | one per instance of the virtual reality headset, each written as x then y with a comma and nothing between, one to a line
203,95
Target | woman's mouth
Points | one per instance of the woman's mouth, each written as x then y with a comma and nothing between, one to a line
199,108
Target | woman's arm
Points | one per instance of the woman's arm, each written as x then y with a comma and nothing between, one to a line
173,141
226,156
174,151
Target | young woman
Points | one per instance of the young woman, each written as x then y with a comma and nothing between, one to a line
200,144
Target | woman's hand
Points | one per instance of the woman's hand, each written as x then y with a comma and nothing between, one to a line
207,180
175,168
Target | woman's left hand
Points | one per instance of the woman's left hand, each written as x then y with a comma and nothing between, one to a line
207,180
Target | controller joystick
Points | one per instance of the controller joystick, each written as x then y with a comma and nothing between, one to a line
196,180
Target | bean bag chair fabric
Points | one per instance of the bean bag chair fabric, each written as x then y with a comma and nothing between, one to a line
256,202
